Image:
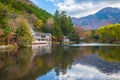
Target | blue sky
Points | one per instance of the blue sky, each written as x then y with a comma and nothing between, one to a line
76,8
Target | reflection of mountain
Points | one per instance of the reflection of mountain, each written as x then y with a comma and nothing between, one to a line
110,57
102,65
61,59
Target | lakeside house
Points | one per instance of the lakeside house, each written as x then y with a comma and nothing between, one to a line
42,38
66,40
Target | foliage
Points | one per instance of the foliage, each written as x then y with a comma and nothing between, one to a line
29,8
57,32
61,25
5,29
95,35
79,31
110,54
88,35
10,25
38,25
64,22
109,33
74,37
24,37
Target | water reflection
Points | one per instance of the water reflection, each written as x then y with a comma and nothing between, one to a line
42,49
57,62
15,64
85,72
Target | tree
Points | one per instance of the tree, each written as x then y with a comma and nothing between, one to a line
48,27
50,23
79,31
57,32
63,23
24,37
88,35
57,16
109,33
38,25
4,26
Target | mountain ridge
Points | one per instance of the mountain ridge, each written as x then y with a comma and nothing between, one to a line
108,15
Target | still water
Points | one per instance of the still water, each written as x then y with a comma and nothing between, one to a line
58,62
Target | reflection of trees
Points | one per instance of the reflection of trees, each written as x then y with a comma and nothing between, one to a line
60,58
65,59
14,64
111,54
107,53
18,65
64,56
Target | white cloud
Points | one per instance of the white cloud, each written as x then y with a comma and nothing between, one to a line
51,0
85,72
80,9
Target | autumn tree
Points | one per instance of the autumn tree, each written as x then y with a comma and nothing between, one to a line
38,25
88,35
109,33
79,31
24,37
48,26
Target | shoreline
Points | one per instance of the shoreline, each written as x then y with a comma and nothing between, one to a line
3,47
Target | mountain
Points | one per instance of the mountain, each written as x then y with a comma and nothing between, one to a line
105,16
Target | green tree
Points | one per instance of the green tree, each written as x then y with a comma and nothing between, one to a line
109,33
57,31
24,37
63,22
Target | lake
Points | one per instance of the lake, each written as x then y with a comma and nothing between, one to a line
61,62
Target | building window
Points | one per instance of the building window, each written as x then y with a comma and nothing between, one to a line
43,36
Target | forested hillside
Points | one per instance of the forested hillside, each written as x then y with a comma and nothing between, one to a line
21,7
16,17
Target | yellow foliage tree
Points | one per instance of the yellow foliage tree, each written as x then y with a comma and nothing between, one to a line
109,33
38,24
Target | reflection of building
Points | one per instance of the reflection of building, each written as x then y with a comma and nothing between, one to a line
42,49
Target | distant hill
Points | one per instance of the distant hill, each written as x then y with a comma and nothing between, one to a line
105,16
